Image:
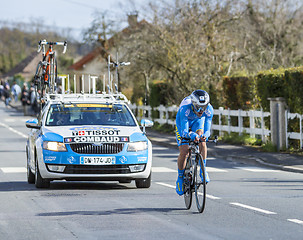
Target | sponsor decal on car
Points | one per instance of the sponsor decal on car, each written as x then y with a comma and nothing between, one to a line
105,132
123,159
50,158
90,139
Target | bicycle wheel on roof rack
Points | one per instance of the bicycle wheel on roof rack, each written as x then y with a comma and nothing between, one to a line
39,74
200,183
188,179
39,79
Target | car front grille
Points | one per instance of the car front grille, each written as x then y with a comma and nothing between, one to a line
90,148
104,169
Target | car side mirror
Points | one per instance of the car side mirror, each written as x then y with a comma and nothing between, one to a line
32,123
146,123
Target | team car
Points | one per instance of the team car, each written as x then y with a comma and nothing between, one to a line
83,137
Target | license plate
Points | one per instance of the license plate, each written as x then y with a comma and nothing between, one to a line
97,160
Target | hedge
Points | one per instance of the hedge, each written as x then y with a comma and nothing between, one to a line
238,92
253,91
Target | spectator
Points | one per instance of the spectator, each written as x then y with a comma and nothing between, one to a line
1,89
25,99
6,94
35,100
16,90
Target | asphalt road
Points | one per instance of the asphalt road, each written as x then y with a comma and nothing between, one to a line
244,202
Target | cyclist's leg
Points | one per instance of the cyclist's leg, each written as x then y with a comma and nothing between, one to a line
183,148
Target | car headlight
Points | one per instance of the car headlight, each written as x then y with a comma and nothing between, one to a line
137,146
54,146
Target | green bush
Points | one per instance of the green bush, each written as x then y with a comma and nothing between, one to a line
269,147
270,84
238,92
286,83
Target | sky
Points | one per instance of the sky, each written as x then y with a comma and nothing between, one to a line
74,14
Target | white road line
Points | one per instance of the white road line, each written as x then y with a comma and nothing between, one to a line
255,169
252,208
13,169
212,197
163,169
13,130
296,221
168,170
171,186
212,169
165,185
10,120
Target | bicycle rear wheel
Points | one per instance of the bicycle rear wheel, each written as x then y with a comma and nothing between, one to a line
39,75
200,183
39,82
188,183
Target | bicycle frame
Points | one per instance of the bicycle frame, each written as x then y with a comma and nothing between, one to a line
49,63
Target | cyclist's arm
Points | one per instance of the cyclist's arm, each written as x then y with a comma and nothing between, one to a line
184,131
208,120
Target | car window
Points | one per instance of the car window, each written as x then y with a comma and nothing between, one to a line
89,114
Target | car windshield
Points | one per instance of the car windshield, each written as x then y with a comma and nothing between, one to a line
89,114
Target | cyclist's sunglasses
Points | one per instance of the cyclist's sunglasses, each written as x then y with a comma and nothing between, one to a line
199,109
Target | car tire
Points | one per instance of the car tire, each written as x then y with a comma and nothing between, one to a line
39,181
144,183
30,175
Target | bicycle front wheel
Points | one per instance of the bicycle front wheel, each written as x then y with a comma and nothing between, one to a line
200,183
188,183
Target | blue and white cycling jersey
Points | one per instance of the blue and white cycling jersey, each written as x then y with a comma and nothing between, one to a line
187,119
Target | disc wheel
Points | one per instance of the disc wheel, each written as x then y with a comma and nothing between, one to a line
200,183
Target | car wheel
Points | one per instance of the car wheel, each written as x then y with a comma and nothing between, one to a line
39,181
143,183
30,175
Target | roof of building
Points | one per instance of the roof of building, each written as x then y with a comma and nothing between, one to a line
22,67
89,57
103,50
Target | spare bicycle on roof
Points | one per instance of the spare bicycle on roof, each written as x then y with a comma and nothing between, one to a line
45,78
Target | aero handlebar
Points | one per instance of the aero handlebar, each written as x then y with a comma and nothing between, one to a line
42,43
200,140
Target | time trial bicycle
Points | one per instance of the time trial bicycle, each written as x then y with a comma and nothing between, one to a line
194,176
46,73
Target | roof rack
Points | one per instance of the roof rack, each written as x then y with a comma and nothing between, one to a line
103,97
67,90
85,87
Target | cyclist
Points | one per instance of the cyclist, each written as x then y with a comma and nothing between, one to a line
193,121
